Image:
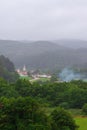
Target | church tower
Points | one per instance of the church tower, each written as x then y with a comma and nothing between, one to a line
25,72
24,68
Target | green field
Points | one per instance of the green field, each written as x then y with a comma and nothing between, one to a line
44,79
81,122
25,77
32,80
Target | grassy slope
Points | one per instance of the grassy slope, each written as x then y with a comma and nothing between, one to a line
82,123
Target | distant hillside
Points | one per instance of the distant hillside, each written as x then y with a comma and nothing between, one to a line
75,44
44,54
7,70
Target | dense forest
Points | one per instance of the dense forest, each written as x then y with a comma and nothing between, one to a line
22,104
7,69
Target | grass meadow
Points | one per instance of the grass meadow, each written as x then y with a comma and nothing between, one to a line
81,122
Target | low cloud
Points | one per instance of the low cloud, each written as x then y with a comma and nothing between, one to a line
44,20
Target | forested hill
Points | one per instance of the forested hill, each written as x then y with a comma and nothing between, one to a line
75,44
7,70
46,54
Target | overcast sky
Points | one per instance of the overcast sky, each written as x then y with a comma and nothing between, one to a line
43,19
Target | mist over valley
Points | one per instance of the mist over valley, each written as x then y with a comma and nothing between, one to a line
45,55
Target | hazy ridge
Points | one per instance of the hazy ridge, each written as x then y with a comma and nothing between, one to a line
46,54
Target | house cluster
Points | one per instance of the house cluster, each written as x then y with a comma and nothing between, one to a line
38,76
33,74
23,72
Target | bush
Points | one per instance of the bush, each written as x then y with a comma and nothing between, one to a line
84,109
64,105
62,120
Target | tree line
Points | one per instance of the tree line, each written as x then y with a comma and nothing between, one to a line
21,105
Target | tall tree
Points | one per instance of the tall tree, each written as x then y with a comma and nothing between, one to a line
62,120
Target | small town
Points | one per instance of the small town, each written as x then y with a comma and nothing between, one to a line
33,75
